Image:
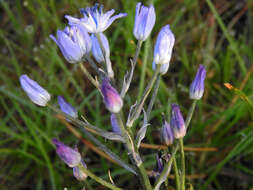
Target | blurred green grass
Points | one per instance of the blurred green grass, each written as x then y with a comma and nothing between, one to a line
217,34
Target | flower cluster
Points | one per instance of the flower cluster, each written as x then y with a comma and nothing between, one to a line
83,40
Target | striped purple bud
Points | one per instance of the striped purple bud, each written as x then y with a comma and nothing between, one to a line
177,122
34,91
159,164
115,126
197,86
70,156
167,134
67,108
112,99
144,21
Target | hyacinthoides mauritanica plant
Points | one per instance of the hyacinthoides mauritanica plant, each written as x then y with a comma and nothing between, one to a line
83,40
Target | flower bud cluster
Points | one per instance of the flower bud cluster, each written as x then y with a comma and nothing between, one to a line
176,128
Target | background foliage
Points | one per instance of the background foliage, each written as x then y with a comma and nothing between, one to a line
215,33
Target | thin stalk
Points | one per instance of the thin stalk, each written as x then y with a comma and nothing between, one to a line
106,58
181,143
133,153
93,64
139,106
190,113
175,169
129,80
144,66
88,75
152,101
98,179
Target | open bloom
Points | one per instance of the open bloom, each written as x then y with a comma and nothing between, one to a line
177,122
163,49
34,91
144,21
167,134
94,20
66,107
197,86
112,99
115,126
70,156
74,43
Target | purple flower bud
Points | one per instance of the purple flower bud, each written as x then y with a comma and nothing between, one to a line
163,49
70,156
112,99
66,107
78,173
144,21
115,126
34,91
74,43
159,164
177,122
94,20
167,134
197,86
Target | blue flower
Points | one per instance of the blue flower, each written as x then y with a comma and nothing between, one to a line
70,156
66,107
197,86
112,99
94,20
74,43
34,91
115,126
177,122
167,134
163,49
144,21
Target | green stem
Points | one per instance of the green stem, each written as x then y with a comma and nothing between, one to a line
98,179
182,185
144,66
190,113
133,152
88,75
129,80
152,101
175,169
